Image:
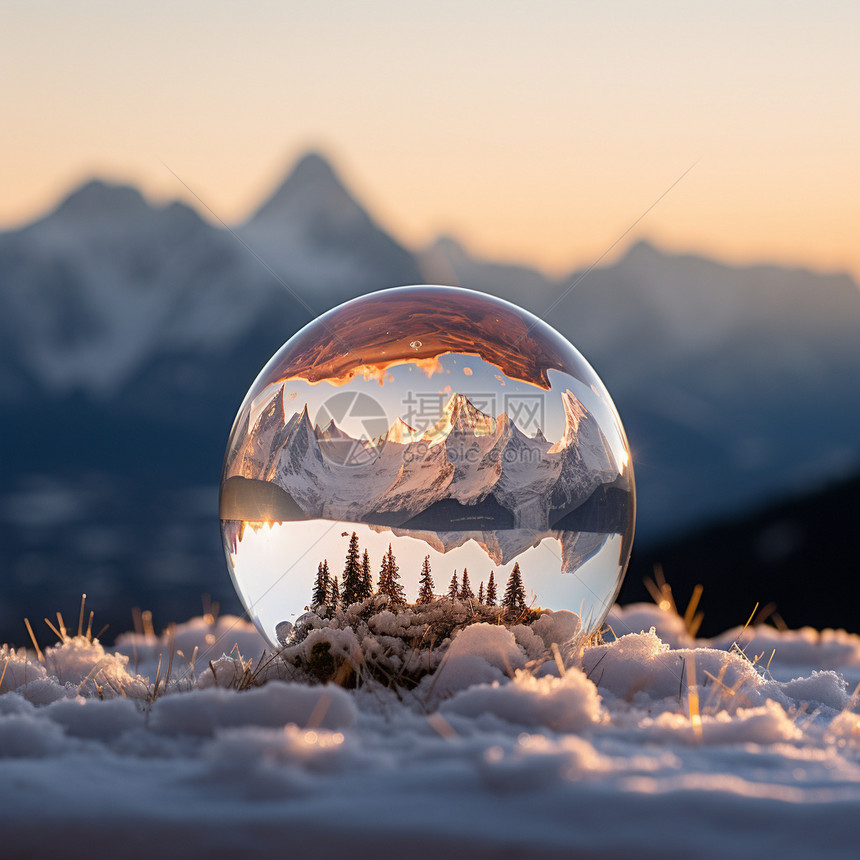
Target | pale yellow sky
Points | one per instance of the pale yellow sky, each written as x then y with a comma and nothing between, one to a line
534,131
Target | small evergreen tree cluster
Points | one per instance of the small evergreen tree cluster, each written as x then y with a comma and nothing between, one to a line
356,583
513,600
357,580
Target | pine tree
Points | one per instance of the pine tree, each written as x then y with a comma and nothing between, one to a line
366,589
425,593
382,579
398,592
334,594
352,578
322,586
454,587
481,592
466,592
515,594
389,574
491,589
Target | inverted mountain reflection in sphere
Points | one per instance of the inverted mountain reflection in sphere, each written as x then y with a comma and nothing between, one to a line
426,424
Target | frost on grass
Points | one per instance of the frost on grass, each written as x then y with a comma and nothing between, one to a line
77,666
399,645
470,735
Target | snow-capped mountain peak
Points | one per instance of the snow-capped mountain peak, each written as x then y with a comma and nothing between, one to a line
331,432
98,199
460,415
574,413
313,232
401,433
312,192
98,209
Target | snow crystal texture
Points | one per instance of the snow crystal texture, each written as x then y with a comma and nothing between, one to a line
649,745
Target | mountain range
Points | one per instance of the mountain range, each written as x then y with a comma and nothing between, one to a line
469,471
131,331
470,476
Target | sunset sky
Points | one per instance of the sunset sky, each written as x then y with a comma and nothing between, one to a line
538,132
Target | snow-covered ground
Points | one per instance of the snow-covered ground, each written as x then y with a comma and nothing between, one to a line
652,745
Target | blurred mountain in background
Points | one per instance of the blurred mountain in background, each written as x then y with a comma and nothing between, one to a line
130,332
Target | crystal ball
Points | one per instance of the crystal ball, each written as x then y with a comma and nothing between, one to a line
427,443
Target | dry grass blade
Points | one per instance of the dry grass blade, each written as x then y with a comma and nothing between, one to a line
262,663
81,614
39,653
136,620
211,608
320,710
719,682
171,637
779,622
735,645
154,692
442,726
556,653
767,611
594,667
660,590
695,624
54,630
693,697
693,605
93,674
692,618
733,691
148,627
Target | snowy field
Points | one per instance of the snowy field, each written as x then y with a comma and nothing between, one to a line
651,745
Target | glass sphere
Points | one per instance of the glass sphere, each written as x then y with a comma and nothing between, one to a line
443,425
